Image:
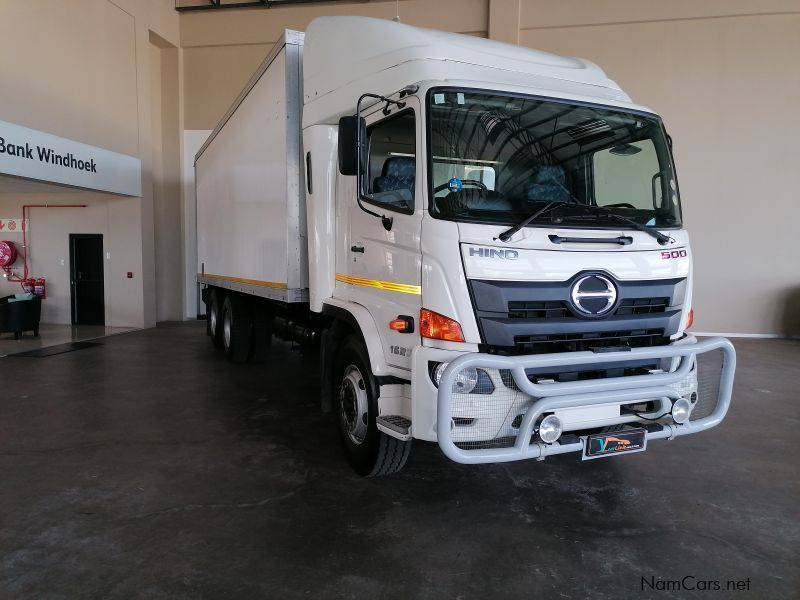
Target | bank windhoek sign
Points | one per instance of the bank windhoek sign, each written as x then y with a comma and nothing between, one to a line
37,155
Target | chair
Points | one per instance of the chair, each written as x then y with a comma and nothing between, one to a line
398,173
549,185
17,316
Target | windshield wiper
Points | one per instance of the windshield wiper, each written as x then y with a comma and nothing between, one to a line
508,233
599,211
594,211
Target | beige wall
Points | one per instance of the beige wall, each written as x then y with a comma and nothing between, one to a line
167,208
48,241
82,70
722,73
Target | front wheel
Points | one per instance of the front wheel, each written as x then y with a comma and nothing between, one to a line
371,452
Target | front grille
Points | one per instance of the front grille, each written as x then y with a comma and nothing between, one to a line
582,374
536,317
533,310
642,306
546,344
537,310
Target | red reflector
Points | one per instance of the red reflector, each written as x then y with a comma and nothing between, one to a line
438,327
690,319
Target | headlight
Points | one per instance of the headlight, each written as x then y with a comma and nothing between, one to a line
465,381
550,429
468,380
681,410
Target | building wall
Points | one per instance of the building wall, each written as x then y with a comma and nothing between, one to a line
48,243
722,73
82,70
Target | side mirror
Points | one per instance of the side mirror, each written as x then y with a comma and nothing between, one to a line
348,143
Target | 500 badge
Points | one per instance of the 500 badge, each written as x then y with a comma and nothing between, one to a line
670,254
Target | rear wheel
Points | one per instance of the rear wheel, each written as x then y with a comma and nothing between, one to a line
262,332
214,318
237,328
371,452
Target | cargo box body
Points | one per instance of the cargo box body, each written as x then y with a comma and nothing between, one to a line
251,215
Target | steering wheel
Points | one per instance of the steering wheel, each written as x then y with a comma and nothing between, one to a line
474,182
619,205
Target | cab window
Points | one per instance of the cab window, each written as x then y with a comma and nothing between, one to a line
392,170
628,176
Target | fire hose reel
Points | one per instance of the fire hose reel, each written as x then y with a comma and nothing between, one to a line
8,254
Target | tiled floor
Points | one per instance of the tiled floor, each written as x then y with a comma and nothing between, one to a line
52,335
148,467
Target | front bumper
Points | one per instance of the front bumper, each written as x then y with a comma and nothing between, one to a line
661,388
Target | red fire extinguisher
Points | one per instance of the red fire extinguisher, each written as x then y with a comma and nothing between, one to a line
8,254
40,288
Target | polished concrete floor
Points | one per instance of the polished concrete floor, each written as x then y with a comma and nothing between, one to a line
148,467
54,335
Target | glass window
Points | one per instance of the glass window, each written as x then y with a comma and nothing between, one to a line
627,176
392,170
499,158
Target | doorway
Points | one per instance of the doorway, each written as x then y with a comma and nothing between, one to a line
86,279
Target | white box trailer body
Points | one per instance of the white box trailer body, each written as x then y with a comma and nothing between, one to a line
486,239
251,212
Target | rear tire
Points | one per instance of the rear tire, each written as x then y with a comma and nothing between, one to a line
369,451
237,328
214,318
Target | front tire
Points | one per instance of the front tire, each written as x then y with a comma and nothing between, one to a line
369,451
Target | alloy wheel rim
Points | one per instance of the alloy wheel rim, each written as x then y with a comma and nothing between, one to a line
354,405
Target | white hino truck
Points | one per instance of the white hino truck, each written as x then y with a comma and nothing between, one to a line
486,242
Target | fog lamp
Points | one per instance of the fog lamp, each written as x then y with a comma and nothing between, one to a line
465,381
550,429
681,410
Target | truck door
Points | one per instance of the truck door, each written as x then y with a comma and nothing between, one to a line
383,267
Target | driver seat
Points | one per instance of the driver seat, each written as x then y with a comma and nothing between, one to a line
549,185
398,173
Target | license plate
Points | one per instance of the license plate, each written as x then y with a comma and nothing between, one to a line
613,444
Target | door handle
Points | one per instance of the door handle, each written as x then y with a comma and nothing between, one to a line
357,249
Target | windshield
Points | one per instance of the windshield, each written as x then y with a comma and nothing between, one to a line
499,158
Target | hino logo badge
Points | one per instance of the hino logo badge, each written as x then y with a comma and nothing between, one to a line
494,253
593,295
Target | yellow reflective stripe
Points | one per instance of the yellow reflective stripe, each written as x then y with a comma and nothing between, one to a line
380,285
258,282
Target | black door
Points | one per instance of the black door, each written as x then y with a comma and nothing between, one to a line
86,279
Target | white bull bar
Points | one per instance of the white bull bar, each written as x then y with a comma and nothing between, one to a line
573,394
